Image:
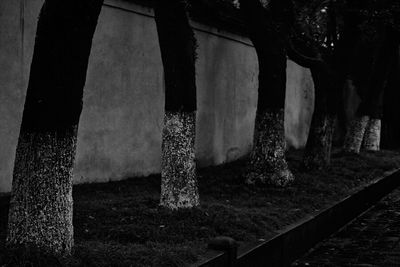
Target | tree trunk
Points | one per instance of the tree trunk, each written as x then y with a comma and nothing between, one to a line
372,104
41,204
355,134
267,163
318,148
342,60
317,153
372,135
178,52
40,212
179,183
327,84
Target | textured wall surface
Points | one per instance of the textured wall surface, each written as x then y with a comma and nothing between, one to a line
12,84
120,128
299,105
227,99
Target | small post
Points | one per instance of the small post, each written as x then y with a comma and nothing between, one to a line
226,244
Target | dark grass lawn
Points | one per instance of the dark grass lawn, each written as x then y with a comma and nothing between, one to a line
121,224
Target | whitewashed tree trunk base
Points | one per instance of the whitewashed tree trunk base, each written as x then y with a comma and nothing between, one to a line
372,135
178,175
355,134
267,162
41,203
318,149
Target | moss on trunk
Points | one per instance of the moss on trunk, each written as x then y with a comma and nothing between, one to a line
267,163
178,170
41,203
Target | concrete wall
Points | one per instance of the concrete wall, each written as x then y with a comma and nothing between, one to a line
120,128
12,85
299,105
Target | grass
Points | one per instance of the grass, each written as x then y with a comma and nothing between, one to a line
121,224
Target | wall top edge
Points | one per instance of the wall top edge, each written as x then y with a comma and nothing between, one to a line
210,13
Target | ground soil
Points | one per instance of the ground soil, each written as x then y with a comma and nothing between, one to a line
121,223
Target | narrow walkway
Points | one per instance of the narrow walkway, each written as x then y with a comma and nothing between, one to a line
373,239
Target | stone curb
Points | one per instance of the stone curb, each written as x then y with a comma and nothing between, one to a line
297,239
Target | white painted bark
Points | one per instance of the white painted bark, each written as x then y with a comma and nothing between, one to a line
355,134
267,162
178,173
372,135
41,202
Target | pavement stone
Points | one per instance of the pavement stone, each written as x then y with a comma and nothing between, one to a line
373,239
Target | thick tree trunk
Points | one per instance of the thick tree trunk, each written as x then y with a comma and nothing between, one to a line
318,148
327,84
267,162
178,51
40,212
355,134
372,135
342,60
317,153
179,183
41,203
371,105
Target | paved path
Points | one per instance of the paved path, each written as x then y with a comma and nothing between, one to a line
373,239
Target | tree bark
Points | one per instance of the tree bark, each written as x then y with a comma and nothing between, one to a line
318,147
178,169
355,134
40,212
41,204
371,106
372,135
266,28
326,84
178,52
319,142
343,58
317,153
267,162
